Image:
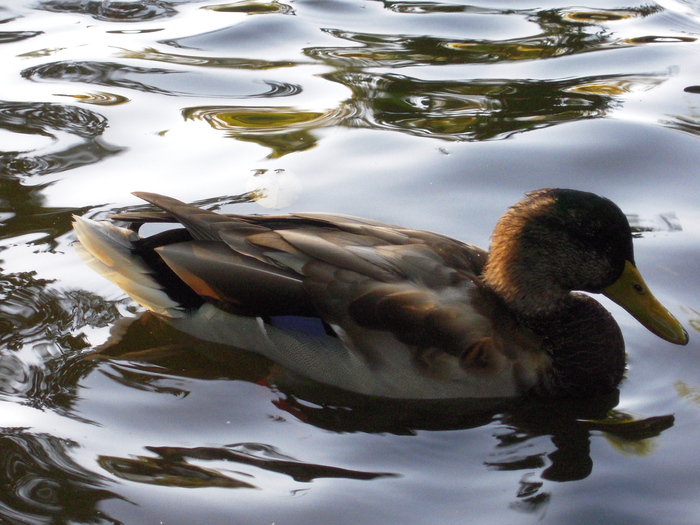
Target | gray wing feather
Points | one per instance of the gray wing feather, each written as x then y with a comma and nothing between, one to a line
355,273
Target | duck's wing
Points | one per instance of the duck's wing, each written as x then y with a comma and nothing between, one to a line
318,251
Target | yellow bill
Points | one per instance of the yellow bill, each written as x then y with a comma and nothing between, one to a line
631,292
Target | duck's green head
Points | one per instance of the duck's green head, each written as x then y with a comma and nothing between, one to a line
558,240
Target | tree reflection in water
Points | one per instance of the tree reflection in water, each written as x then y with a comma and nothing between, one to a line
468,109
562,32
454,110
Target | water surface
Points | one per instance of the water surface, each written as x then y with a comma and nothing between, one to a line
435,115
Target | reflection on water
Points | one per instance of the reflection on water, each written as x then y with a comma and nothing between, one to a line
23,214
24,117
321,88
52,120
449,110
253,7
282,129
171,467
132,362
113,11
100,98
563,32
204,61
154,80
693,318
51,484
16,36
684,123
42,484
691,393
481,109
101,73
41,337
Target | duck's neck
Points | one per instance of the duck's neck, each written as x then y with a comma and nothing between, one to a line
586,346
524,279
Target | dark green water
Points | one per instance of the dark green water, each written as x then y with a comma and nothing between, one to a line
435,115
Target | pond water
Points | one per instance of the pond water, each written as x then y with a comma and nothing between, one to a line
430,114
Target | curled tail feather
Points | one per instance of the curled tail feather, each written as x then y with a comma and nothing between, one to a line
108,250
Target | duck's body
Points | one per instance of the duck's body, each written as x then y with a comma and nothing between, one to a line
389,311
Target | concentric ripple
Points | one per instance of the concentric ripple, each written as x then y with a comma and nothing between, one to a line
52,120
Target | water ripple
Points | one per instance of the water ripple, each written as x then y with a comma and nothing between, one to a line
411,7
253,8
40,482
274,37
597,16
279,89
53,121
396,50
206,61
41,118
478,109
171,467
153,80
16,36
99,98
651,39
561,32
112,11
33,312
282,129
263,119
93,72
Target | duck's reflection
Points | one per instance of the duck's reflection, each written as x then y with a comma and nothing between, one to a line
568,424
544,441
41,479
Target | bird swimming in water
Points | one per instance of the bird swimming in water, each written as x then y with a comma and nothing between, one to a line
389,311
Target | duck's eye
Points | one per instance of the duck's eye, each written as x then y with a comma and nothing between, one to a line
638,288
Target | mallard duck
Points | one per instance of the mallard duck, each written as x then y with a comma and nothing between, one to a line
389,311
